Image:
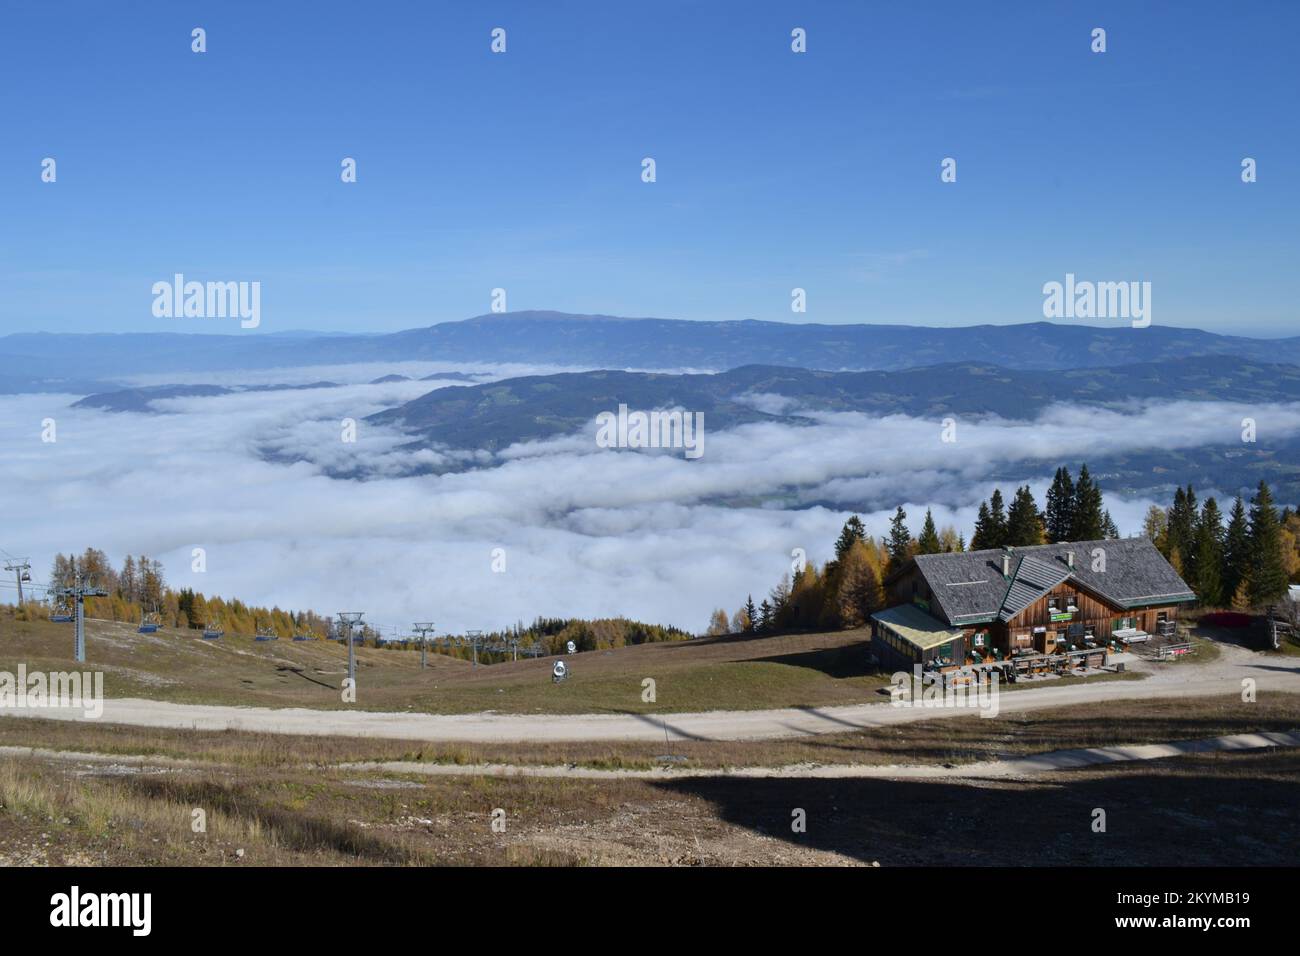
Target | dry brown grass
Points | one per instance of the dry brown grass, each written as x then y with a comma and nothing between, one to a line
940,740
1225,809
707,674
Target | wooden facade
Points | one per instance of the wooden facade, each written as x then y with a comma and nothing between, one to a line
1067,616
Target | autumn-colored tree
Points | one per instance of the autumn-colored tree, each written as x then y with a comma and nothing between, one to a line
718,624
950,540
1155,527
859,590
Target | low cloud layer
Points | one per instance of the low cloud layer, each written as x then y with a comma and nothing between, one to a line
585,531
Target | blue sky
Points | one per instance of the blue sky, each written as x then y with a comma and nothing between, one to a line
522,170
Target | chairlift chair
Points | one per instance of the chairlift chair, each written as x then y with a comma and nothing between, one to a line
62,613
149,623
266,634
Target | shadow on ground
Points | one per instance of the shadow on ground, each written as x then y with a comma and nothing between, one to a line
1228,810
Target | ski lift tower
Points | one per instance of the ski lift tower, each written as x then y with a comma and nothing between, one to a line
83,589
424,630
474,638
23,572
348,620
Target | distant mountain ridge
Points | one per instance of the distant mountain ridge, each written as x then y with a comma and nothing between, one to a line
597,341
495,415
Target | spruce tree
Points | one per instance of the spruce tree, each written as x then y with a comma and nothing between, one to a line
751,614
1108,529
1236,552
780,617
997,520
1024,523
851,532
1182,523
900,540
1088,522
980,540
1266,577
928,542
1059,517
1208,556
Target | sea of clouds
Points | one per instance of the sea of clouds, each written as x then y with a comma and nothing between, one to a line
585,531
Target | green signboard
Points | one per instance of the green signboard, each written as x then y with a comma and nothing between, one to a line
1062,615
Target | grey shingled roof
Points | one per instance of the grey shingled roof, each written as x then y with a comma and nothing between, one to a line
1030,580
967,587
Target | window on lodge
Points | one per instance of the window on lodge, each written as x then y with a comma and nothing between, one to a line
1062,603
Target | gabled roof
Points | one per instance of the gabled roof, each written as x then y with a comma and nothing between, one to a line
1031,579
968,587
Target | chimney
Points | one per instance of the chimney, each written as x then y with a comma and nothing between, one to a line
1069,559
1006,562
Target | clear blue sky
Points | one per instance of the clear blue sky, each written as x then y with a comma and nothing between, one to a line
522,170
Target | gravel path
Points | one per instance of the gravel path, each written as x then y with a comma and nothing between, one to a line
1186,679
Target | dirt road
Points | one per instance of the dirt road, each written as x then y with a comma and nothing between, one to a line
1222,676
981,770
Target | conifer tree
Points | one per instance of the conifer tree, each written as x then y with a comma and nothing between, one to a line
1182,523
928,542
979,541
1059,517
1266,574
1024,523
900,540
1207,580
997,519
1236,551
1088,523
851,532
990,525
